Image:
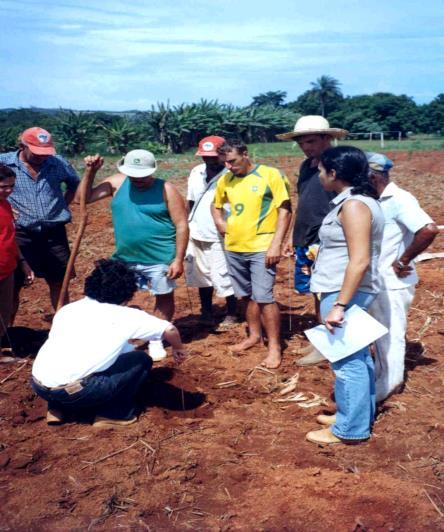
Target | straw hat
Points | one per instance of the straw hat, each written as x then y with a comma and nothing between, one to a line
313,125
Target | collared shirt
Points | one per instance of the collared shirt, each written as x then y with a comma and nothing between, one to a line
201,192
88,336
403,218
332,260
40,202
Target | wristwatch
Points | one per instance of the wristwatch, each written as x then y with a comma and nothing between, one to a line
339,304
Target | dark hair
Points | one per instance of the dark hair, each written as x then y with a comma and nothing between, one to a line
351,166
5,172
112,281
232,144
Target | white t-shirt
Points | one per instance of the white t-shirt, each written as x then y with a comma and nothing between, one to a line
202,226
403,218
88,336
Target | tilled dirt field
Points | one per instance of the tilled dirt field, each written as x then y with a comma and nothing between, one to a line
224,454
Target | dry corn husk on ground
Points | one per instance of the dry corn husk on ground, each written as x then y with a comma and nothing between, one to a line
303,399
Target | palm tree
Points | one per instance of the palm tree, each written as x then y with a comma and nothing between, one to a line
325,88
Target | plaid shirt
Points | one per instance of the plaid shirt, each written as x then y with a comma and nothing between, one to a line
40,202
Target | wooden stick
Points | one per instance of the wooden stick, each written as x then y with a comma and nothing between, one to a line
290,292
110,455
433,503
84,187
13,373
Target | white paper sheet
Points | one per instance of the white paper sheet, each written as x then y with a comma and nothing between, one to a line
358,330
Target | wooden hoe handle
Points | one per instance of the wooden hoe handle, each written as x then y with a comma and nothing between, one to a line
84,187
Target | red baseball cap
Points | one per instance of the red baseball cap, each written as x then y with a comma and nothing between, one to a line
208,146
38,140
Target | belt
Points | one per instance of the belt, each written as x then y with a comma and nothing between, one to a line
72,387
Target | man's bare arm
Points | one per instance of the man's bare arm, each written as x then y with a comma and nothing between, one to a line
218,217
107,187
421,241
179,216
274,252
288,248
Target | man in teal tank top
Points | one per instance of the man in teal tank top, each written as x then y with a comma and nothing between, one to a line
150,228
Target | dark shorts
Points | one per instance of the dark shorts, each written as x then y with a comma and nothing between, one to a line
46,251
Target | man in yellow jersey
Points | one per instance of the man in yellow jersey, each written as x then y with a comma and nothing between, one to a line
254,234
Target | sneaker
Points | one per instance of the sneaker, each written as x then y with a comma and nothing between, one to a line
156,350
100,421
227,323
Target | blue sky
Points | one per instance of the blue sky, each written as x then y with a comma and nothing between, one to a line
117,55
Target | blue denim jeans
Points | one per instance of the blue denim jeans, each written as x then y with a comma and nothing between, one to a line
110,393
355,381
301,263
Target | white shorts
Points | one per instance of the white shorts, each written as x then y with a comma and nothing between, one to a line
153,278
206,265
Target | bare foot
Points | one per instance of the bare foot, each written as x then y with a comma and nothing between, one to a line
245,344
272,360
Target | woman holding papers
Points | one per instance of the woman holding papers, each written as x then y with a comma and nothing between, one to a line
346,274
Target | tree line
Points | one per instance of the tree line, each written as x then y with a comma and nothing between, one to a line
176,128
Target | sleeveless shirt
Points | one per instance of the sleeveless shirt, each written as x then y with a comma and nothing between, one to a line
332,260
143,230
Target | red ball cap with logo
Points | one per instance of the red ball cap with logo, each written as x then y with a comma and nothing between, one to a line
208,146
38,140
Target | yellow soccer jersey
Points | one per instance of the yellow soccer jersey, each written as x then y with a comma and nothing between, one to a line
254,201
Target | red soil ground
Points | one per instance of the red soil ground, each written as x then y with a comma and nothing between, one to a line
216,458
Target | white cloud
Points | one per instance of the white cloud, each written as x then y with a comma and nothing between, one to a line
119,55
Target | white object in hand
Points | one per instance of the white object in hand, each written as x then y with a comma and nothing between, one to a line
358,330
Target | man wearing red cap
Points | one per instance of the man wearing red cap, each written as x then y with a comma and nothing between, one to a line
42,207
206,266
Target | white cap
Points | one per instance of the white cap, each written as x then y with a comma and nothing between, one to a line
137,163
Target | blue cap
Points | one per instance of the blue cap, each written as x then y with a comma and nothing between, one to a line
379,162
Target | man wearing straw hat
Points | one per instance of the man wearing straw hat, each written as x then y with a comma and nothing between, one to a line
150,229
313,135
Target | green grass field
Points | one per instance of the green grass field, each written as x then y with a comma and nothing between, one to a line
277,149
177,165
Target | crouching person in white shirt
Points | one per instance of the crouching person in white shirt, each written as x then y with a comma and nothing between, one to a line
408,231
87,365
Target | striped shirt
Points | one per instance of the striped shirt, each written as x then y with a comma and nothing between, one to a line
40,202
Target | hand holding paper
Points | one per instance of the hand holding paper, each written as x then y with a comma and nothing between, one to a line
358,330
